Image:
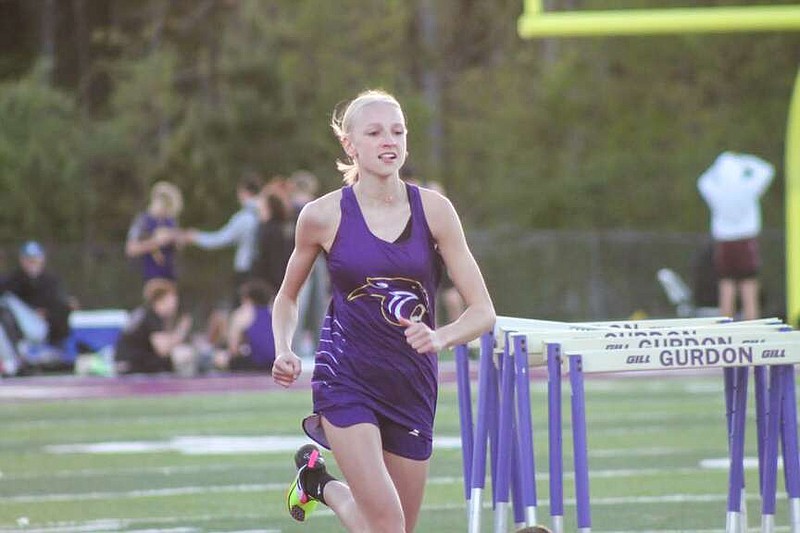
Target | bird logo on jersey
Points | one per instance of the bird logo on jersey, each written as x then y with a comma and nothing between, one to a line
399,298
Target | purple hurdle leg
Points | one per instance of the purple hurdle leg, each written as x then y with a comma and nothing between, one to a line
760,375
465,414
525,430
478,469
553,352
516,482
771,451
494,425
579,444
736,470
729,379
505,440
791,461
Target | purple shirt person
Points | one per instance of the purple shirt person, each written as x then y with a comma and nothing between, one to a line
154,233
251,346
374,381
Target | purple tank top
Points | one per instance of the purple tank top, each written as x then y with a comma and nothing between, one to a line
363,356
260,338
159,263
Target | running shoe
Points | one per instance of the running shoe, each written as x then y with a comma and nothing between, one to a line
299,502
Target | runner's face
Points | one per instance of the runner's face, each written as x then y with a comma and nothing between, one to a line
378,139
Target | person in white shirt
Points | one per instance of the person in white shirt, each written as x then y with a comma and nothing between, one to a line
732,187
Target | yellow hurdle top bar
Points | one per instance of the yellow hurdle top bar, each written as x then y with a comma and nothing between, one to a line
535,22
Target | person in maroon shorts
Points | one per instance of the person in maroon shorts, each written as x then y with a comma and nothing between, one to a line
732,188
375,374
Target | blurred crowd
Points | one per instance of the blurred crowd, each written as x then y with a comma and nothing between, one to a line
159,335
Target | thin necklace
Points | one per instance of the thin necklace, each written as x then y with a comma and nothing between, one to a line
384,199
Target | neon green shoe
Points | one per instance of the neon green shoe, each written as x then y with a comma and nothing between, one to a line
299,502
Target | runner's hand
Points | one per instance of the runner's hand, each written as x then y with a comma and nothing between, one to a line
286,369
420,337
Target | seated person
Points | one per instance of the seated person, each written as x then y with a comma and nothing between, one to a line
42,291
251,346
154,340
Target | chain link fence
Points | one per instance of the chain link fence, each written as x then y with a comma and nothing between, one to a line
547,274
601,275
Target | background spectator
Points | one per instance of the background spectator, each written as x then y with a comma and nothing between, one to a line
275,241
153,235
281,187
251,346
154,339
303,187
41,290
240,230
732,187
312,301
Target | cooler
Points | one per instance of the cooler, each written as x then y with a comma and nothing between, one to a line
93,329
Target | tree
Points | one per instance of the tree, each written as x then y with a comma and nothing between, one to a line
42,169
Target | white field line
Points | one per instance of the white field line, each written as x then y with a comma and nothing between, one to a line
237,445
149,493
203,419
627,500
274,487
270,444
613,388
106,525
643,452
112,421
110,525
709,463
210,445
154,470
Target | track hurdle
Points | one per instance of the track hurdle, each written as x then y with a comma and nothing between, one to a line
613,334
532,343
741,349
475,445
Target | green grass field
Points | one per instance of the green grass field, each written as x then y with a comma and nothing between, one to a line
647,438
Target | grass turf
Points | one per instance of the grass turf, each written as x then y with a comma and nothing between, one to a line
647,437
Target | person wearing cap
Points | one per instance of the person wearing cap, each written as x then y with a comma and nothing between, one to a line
41,290
154,233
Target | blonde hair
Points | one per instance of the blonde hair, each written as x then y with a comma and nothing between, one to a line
168,193
342,124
